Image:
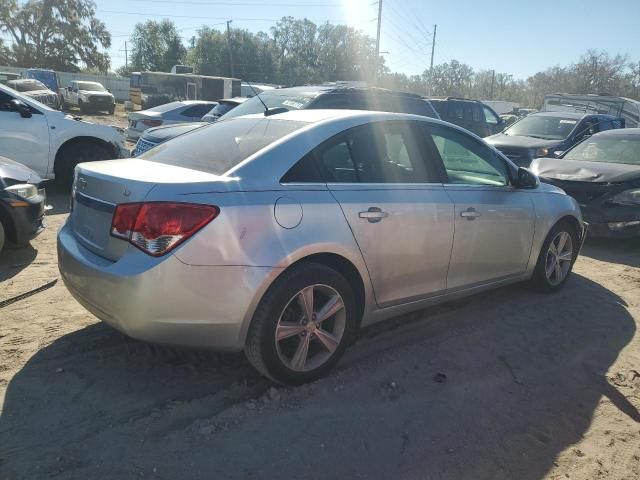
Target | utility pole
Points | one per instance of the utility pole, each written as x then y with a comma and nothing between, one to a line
229,47
433,45
493,79
377,64
126,55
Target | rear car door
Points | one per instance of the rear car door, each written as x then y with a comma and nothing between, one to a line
25,140
400,215
494,222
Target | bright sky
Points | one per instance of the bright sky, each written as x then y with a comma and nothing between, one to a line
519,37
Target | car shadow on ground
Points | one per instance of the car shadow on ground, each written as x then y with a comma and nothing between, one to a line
525,373
623,251
14,259
58,197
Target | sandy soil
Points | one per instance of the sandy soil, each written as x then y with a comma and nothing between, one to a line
505,385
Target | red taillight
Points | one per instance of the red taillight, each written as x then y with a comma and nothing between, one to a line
158,227
152,123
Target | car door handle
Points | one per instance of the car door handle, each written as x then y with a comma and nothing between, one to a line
470,214
374,214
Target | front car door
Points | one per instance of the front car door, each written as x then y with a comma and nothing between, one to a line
400,215
25,140
494,222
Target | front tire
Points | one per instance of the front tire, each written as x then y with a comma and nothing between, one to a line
302,325
557,256
82,107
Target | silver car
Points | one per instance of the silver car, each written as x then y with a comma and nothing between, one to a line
168,114
281,235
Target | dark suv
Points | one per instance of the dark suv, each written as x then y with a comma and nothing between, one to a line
473,115
309,97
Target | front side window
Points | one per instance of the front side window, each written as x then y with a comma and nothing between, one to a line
467,161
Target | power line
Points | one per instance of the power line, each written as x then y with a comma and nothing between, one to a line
160,15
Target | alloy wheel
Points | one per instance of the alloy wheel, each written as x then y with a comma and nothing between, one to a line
310,328
559,258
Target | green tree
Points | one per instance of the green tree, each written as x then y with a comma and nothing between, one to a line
57,34
156,46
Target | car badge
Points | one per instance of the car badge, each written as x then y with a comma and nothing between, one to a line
126,192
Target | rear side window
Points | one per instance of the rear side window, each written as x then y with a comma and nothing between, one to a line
388,152
219,147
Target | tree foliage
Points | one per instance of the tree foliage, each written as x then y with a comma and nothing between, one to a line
156,46
57,34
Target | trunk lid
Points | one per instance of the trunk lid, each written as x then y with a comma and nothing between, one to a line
100,186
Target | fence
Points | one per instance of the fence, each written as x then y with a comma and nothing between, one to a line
119,86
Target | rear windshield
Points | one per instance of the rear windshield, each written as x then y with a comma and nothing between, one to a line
166,107
221,146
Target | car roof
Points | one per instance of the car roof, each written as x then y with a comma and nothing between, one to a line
620,132
87,81
576,115
237,100
316,90
321,115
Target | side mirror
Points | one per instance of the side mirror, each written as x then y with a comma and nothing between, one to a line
16,105
527,179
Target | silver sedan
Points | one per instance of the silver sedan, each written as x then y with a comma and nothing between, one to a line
168,114
281,235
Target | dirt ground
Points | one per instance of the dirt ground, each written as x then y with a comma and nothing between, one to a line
505,385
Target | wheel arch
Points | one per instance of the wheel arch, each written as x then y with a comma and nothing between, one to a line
59,158
8,223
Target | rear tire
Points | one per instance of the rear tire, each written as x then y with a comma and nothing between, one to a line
74,154
281,333
112,110
557,256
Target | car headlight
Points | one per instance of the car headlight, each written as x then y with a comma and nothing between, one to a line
541,152
628,197
25,191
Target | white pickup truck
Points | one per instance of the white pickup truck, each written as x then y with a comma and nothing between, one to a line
50,142
88,97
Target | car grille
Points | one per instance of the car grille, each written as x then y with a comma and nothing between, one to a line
100,100
583,192
142,146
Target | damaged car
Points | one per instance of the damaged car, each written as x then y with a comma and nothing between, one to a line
549,134
603,174
22,203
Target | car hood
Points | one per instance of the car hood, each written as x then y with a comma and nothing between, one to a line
17,173
579,171
501,140
162,134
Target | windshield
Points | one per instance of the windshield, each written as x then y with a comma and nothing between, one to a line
46,77
272,100
91,87
543,126
608,149
234,141
27,85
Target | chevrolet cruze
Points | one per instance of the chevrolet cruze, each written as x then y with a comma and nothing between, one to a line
281,235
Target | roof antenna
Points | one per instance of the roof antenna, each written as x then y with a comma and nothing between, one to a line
257,95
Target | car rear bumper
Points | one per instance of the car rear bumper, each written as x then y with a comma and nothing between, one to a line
163,300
